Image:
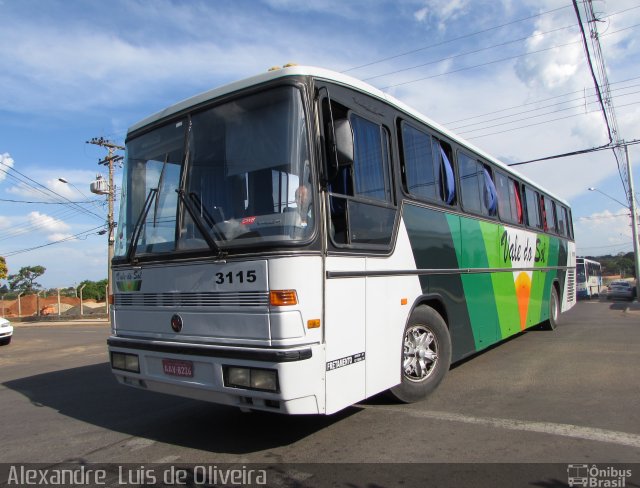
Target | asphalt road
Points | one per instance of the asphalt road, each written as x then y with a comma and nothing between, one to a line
567,396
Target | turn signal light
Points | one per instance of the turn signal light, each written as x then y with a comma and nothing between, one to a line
313,324
283,298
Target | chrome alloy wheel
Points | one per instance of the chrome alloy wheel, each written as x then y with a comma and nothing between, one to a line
420,353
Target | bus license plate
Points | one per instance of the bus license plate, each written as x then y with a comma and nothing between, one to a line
174,367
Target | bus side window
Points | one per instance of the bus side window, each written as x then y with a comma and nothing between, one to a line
550,213
360,195
509,204
476,186
567,220
447,175
419,163
469,183
543,213
533,208
562,226
514,191
489,193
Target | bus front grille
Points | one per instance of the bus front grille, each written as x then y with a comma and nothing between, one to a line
205,299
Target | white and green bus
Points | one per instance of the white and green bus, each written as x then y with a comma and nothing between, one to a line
299,241
588,278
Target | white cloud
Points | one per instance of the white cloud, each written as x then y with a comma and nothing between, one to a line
612,232
421,15
47,223
6,162
57,236
441,12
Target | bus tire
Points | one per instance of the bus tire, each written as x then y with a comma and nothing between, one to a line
426,355
554,310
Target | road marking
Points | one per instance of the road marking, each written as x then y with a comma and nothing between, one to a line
167,459
564,430
137,443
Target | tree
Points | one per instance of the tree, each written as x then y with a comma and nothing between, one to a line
94,289
25,279
3,268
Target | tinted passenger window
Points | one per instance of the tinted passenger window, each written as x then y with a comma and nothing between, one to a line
360,195
509,204
371,165
567,222
533,217
427,168
561,225
421,179
548,213
478,190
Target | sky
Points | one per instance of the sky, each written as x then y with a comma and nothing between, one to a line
509,76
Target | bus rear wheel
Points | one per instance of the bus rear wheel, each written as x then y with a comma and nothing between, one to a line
554,310
426,355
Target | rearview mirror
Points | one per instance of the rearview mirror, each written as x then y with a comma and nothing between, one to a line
344,142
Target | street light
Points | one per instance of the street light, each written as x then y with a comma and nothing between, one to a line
67,182
631,205
625,205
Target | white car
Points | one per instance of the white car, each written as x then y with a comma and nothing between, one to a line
6,331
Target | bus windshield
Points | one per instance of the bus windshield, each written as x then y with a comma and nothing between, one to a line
239,171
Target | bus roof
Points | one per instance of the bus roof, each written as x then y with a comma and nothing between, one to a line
338,78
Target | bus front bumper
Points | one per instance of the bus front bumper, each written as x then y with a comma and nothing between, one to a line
284,380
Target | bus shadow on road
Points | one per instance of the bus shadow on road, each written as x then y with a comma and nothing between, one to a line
90,394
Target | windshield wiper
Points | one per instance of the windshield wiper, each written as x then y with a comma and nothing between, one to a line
201,224
206,215
137,229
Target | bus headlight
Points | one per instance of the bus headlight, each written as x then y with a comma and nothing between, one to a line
239,377
125,362
264,379
251,378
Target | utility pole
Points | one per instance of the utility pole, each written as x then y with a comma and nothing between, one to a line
109,161
634,222
608,111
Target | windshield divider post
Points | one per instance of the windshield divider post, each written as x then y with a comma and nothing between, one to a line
137,229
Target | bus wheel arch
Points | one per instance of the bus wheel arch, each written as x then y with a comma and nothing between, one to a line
425,354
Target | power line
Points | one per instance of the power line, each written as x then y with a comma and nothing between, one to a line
448,58
576,153
605,100
37,186
454,39
466,68
509,58
455,128
605,247
45,203
605,217
545,122
80,235
46,222
530,117
450,123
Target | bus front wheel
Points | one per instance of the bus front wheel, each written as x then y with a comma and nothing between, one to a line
426,355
